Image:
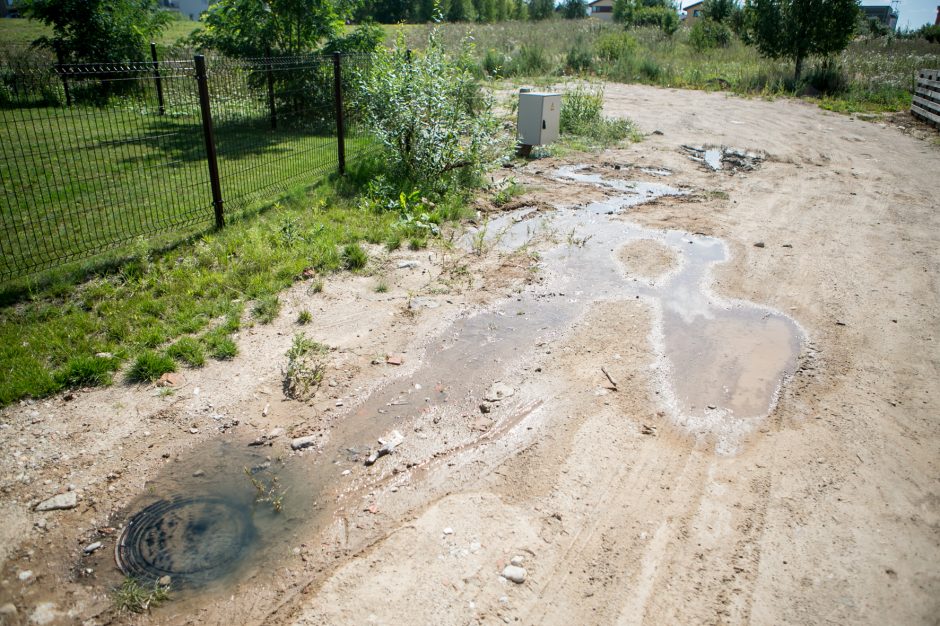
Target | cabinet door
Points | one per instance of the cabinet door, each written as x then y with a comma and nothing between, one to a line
551,118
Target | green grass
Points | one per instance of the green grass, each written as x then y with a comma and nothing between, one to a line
193,296
133,596
24,31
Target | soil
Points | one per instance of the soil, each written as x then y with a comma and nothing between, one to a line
827,510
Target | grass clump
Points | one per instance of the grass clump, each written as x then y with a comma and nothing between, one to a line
87,371
305,367
581,117
150,366
189,351
304,317
354,257
133,596
266,309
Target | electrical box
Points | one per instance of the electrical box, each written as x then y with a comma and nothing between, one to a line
539,118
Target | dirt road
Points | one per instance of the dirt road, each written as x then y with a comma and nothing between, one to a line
633,476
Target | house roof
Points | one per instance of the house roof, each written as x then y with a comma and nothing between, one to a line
694,4
590,4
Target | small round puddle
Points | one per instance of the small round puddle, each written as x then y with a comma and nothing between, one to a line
193,540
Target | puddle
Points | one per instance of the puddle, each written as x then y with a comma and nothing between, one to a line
722,158
212,513
720,364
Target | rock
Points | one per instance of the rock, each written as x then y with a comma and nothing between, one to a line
25,575
394,359
657,132
194,431
45,613
60,502
389,443
274,433
170,379
199,473
266,409
517,560
482,424
712,407
91,547
303,442
104,355
448,531
498,391
759,244
485,408
402,265
515,573
423,303
8,609
164,581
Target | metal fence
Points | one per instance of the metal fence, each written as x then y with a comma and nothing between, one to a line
95,156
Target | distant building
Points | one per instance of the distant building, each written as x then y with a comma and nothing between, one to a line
937,21
693,12
601,9
885,15
7,9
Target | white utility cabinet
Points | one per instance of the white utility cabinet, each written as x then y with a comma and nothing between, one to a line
539,118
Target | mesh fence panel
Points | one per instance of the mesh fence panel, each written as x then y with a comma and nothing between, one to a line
91,156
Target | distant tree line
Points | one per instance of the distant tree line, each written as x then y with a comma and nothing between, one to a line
421,11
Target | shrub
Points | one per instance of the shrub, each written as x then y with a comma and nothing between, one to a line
305,367
828,78
150,366
531,60
428,112
495,63
706,34
615,46
581,116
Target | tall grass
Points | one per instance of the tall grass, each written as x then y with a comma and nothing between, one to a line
873,74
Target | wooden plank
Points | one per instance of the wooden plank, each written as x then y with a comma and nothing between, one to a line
924,114
926,104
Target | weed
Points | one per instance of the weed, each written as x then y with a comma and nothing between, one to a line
417,243
478,243
304,317
381,286
220,345
505,190
354,257
189,351
266,309
133,596
316,286
87,371
269,492
305,367
150,366
393,242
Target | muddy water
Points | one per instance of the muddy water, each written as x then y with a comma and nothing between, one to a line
720,364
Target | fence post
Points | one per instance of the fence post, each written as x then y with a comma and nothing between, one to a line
62,71
340,122
202,80
156,77
270,72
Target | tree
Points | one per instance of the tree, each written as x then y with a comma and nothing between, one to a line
246,28
797,29
541,9
719,10
460,11
98,30
660,13
574,9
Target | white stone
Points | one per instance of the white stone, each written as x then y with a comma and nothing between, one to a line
448,531
91,547
62,501
25,575
514,573
303,442
498,391
517,561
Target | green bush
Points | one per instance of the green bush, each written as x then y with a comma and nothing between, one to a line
150,366
266,309
615,46
495,63
828,78
931,33
663,17
707,34
581,116
428,112
531,60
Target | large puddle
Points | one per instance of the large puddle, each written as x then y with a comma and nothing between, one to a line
720,366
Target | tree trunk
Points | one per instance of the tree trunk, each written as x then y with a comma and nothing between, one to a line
799,67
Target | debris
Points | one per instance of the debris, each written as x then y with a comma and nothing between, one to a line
264,411
646,429
91,547
25,575
394,359
610,378
303,442
657,132
840,323
60,502
389,443
164,581
309,272
482,424
498,391
485,408
514,573
759,244
403,265
448,531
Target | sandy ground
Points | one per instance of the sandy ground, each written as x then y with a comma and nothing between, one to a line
827,512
